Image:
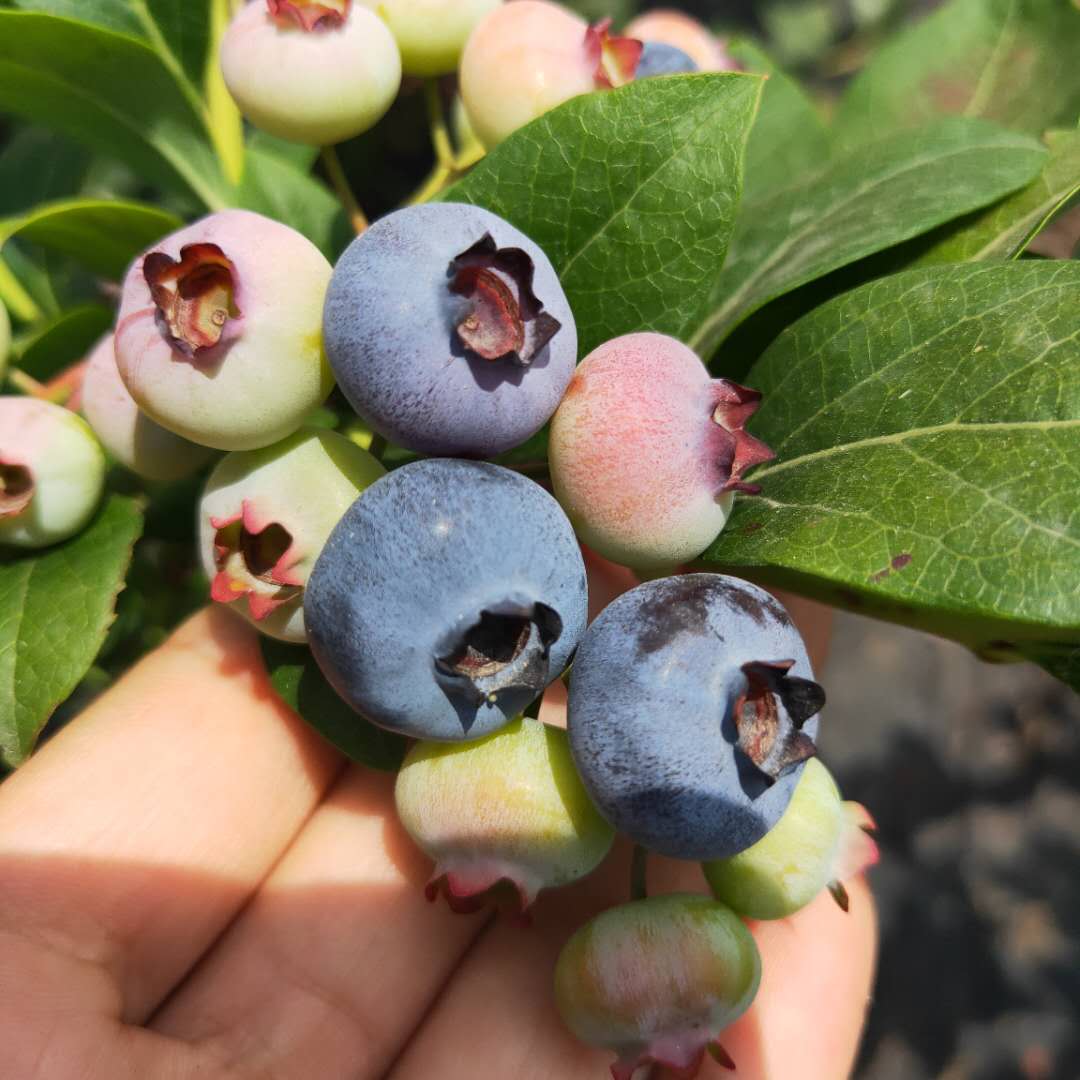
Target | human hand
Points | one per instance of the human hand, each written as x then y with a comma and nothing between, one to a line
195,885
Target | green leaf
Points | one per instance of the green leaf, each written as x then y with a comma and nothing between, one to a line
859,203
927,428
1013,61
49,347
55,607
1005,229
112,92
278,189
37,166
789,138
297,679
103,236
632,194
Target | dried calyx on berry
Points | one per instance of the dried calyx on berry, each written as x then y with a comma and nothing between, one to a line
505,319
615,58
310,15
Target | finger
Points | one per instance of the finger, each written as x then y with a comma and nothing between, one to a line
135,835
337,958
811,959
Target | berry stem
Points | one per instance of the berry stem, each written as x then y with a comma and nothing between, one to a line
28,385
639,873
336,173
17,300
440,137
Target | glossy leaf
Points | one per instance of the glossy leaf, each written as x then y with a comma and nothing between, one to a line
297,679
927,431
631,193
112,92
1004,230
860,203
49,347
55,607
38,166
103,236
1013,61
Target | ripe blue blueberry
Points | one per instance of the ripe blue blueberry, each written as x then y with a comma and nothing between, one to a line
448,596
449,332
691,712
659,58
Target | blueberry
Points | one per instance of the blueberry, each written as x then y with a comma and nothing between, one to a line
448,596
657,981
449,332
659,58
691,710
685,33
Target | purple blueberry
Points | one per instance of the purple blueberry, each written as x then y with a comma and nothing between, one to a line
691,711
449,332
659,58
448,596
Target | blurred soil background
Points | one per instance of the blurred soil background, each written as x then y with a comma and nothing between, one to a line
972,772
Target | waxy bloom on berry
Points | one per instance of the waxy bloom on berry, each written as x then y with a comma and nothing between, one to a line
686,34
219,337
52,472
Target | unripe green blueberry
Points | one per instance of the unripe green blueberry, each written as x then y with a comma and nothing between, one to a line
219,334
685,33
136,442
528,56
5,339
818,843
265,517
505,808
52,472
657,981
431,33
315,73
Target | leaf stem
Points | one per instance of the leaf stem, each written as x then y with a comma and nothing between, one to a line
336,173
638,873
16,299
440,136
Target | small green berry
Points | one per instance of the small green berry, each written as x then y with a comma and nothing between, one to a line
657,981
52,472
505,808
818,842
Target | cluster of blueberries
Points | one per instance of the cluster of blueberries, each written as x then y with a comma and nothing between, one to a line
442,598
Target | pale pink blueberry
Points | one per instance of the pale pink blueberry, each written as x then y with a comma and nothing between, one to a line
52,472
315,73
528,56
820,842
647,451
507,809
657,981
431,34
683,32
128,434
265,516
219,334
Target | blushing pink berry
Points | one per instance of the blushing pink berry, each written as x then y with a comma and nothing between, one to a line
312,72
265,516
52,472
647,451
506,809
219,334
136,442
657,981
528,56
683,32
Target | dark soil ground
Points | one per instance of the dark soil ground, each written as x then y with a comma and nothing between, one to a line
973,774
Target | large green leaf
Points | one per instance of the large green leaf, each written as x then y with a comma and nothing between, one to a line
927,428
49,347
112,92
789,138
1005,229
102,235
297,679
1013,61
55,607
633,195
859,203
37,166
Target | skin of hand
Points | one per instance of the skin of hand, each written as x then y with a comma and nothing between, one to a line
196,886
